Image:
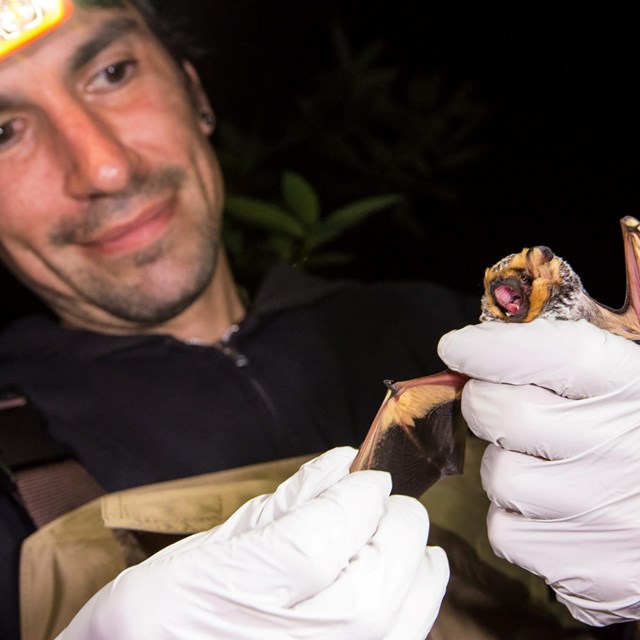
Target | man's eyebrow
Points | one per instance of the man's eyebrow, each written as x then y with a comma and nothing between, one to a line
108,33
6,103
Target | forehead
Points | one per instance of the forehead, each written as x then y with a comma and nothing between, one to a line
29,26
23,21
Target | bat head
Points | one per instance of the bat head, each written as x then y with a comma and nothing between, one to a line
531,284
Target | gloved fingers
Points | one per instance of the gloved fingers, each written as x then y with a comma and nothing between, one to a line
568,553
420,608
539,422
596,611
369,597
530,543
560,489
590,561
564,356
309,481
305,549
247,582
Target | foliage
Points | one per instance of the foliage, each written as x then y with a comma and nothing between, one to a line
294,229
387,128
363,128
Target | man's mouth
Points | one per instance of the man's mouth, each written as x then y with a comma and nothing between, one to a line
135,233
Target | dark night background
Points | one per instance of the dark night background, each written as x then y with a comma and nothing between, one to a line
560,143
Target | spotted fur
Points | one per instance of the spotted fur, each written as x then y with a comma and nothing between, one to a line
534,283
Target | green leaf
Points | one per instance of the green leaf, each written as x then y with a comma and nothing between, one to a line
349,216
264,215
301,198
282,248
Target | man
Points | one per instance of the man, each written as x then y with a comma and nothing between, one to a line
110,205
156,369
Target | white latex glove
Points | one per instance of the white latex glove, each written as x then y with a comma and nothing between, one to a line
562,472
330,555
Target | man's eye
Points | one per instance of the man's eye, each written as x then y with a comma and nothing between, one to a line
9,132
112,76
116,72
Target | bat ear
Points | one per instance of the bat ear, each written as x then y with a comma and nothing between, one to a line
543,254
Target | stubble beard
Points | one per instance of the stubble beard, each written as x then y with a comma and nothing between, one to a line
146,302
140,304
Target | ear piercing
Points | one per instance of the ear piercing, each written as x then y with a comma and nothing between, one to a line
208,119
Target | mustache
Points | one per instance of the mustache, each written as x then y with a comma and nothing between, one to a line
103,209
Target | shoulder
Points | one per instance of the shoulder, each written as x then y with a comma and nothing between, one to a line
287,287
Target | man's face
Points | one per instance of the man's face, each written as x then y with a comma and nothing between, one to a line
110,194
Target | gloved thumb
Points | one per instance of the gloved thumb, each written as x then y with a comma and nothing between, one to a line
564,356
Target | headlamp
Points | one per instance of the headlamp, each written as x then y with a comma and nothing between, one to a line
22,21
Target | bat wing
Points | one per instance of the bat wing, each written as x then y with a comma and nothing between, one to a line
418,434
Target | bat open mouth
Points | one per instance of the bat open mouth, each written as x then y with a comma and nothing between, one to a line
508,299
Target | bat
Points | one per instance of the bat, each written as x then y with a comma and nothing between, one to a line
418,434
536,283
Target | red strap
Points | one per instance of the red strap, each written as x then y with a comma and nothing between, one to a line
50,490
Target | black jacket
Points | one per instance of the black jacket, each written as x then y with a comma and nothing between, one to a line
302,374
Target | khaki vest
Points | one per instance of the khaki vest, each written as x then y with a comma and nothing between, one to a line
68,560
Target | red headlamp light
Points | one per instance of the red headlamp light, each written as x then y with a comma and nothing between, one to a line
22,21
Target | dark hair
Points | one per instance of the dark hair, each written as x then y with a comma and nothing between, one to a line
175,36
171,30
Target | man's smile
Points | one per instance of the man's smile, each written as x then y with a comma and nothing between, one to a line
135,233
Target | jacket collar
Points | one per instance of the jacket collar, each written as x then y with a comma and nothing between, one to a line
283,288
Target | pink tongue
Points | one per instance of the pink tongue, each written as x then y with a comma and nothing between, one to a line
508,299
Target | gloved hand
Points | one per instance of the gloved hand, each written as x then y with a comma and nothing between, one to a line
562,472
329,555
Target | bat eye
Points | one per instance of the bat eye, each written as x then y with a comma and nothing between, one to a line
525,278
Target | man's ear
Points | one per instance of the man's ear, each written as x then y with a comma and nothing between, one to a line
199,99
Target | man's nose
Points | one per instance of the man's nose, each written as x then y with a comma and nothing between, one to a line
96,160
